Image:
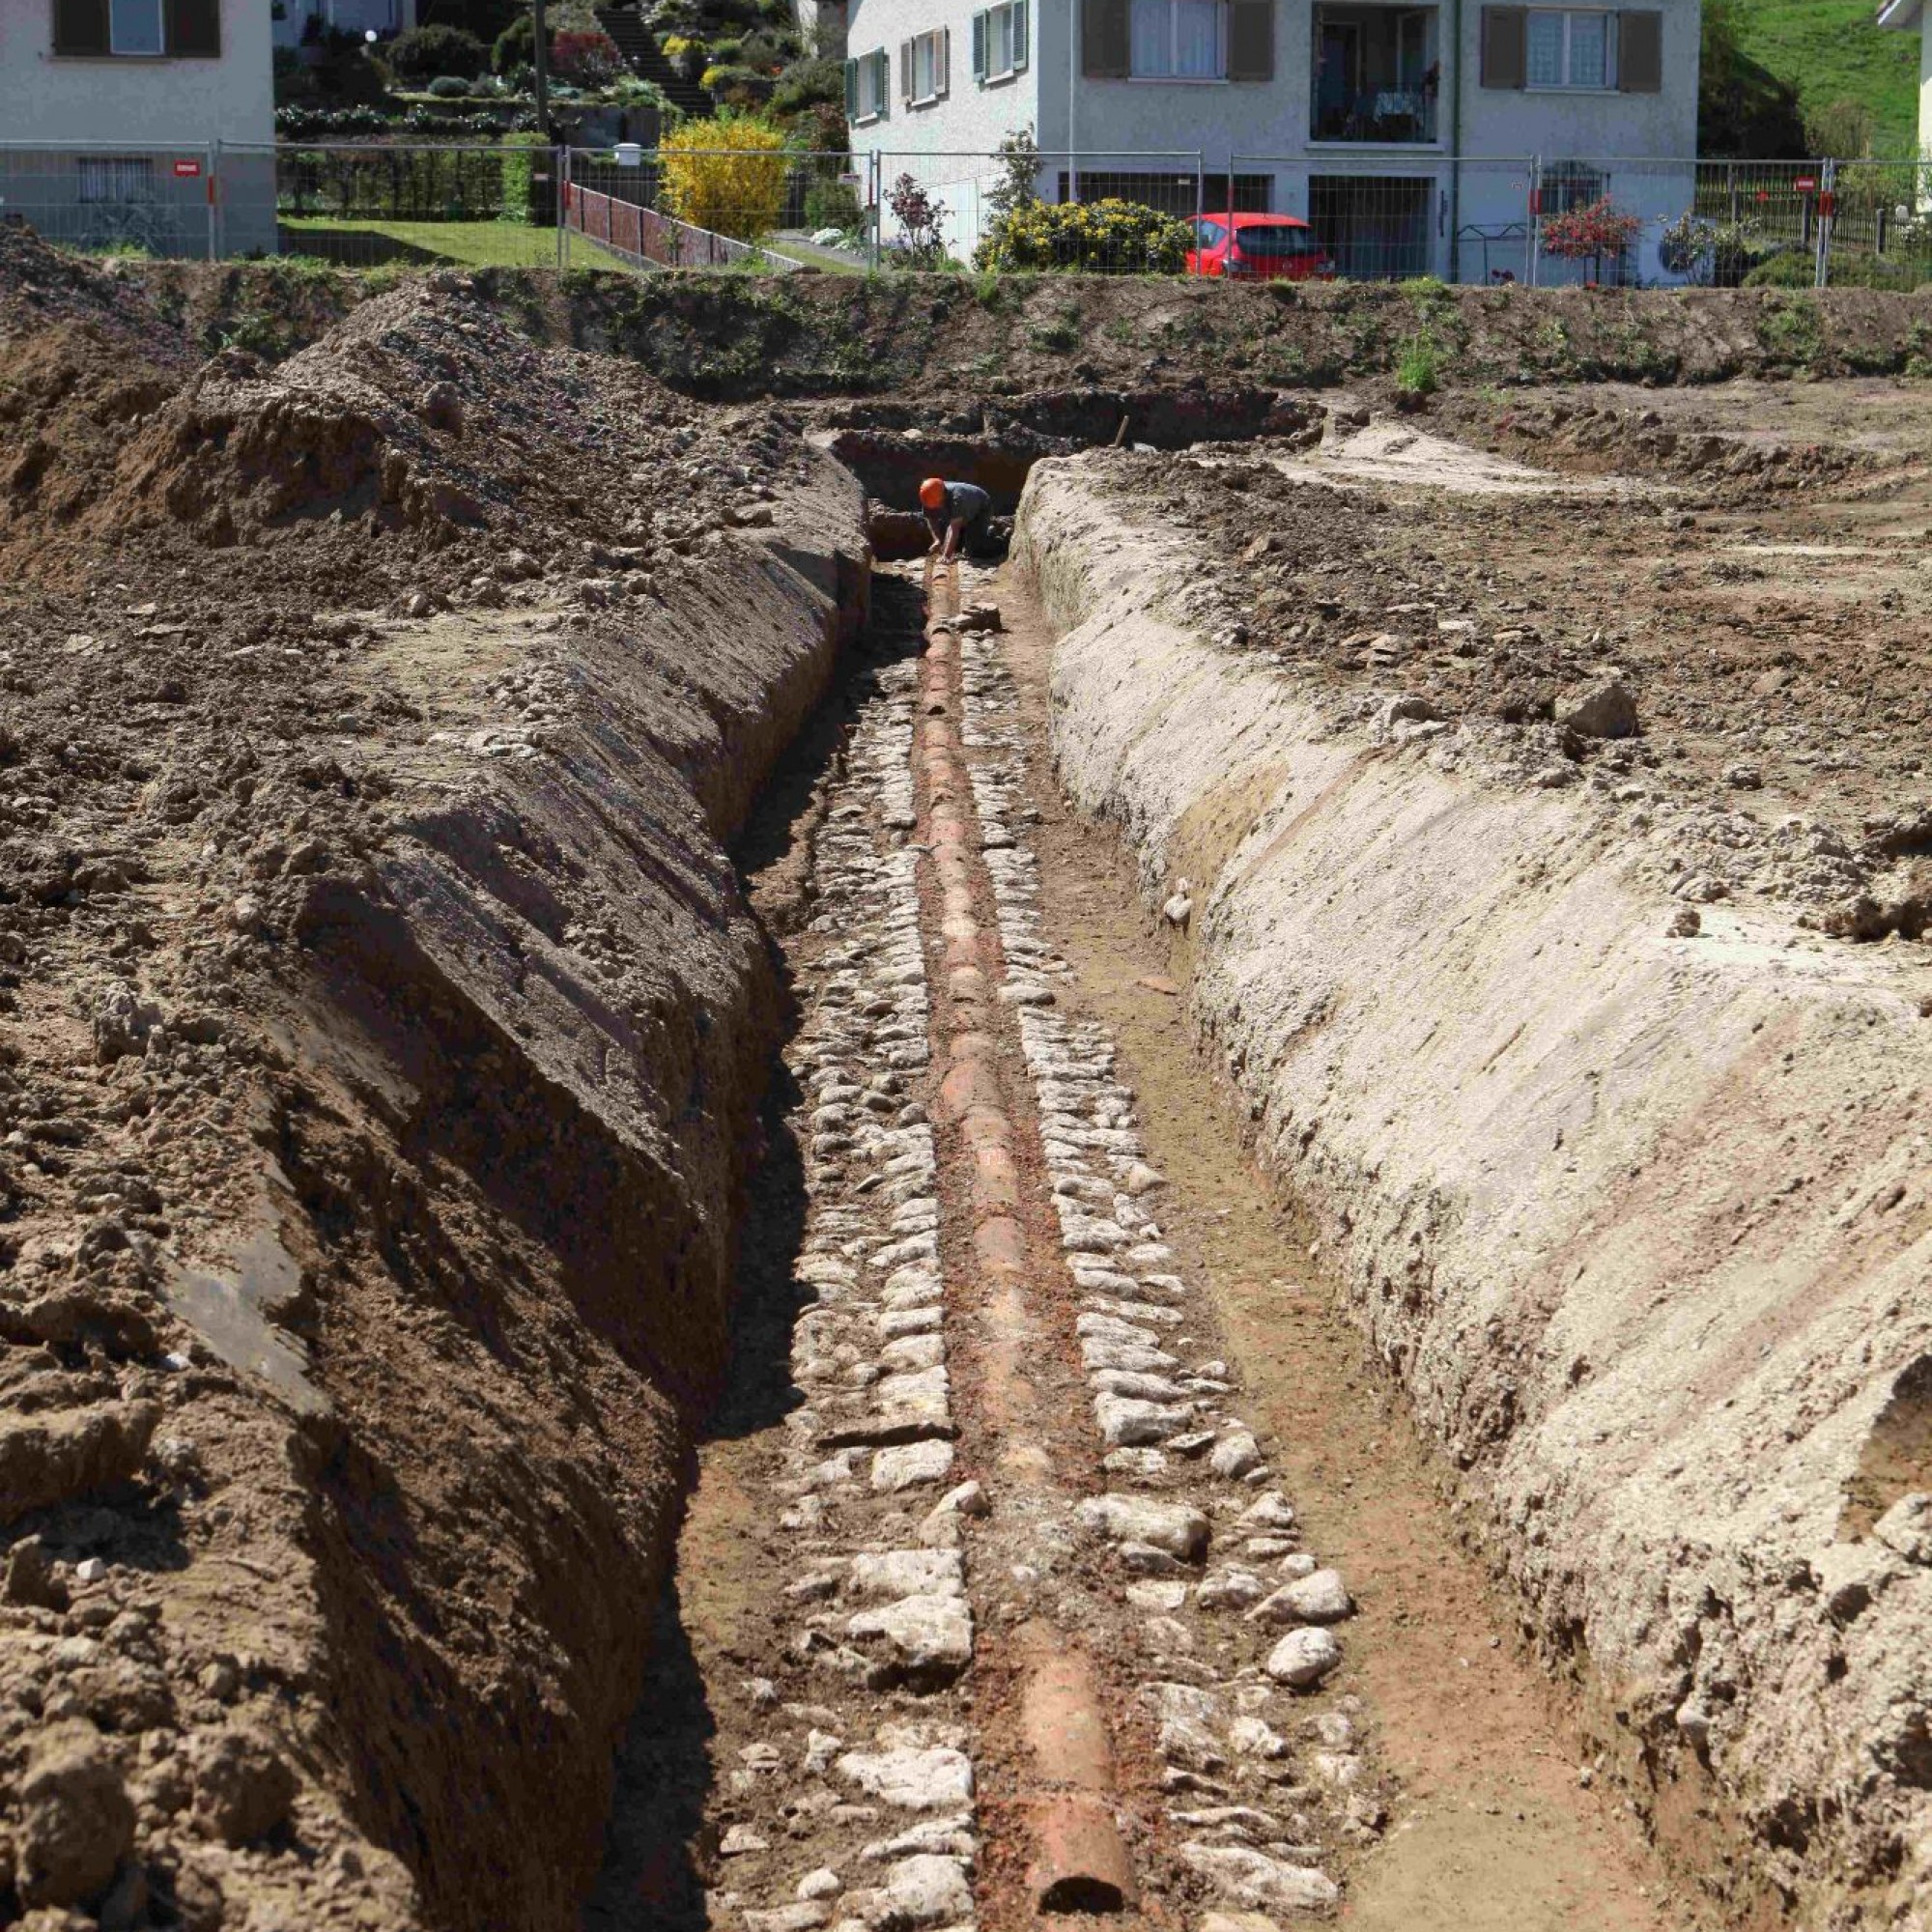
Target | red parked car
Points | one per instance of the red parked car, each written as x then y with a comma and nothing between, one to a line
1268,248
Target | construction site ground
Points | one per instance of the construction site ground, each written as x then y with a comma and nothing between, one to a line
661,1265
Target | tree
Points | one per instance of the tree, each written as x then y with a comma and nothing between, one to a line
726,174
424,52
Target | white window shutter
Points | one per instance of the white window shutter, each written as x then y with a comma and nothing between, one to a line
981,22
908,83
1021,36
945,61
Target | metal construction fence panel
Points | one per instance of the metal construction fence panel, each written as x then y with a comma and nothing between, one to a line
111,199
1089,211
715,208
1385,213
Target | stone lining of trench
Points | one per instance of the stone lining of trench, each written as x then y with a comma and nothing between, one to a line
1030,1658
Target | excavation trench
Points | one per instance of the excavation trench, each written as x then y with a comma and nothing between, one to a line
1012,1585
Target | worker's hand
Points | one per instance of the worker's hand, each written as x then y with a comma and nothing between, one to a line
933,550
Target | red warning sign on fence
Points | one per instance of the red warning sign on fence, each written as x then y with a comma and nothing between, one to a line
187,170
1806,184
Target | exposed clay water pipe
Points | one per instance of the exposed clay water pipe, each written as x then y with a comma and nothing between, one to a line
1076,1860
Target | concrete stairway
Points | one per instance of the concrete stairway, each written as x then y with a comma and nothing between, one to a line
646,59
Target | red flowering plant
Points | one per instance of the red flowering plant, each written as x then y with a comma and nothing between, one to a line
1589,233
588,59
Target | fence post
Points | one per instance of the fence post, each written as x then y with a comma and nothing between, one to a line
1200,202
1535,220
560,180
211,195
878,207
1828,182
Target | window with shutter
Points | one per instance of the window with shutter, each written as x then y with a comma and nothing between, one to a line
194,29
1640,52
80,27
1179,39
1105,40
928,58
1569,47
1505,55
868,82
134,27
1251,40
999,42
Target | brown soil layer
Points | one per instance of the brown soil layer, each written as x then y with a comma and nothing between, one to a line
899,336
388,1037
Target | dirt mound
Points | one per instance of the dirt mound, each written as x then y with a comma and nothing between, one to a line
387,1033
85,356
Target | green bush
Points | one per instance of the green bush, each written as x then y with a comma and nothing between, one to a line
1418,372
424,52
449,87
809,84
1118,236
831,204
516,46
739,86
522,200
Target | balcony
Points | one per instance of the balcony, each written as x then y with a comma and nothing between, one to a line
1377,75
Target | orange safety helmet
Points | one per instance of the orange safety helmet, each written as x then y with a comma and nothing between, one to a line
932,493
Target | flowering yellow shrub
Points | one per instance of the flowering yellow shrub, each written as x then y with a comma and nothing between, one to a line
1097,237
726,174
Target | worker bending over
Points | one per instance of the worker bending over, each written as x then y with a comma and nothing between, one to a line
957,512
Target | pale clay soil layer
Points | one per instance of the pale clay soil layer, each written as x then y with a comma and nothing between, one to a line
1225,1228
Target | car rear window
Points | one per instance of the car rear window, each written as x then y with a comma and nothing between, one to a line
1276,243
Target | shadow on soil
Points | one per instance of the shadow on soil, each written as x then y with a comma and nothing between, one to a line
652,1879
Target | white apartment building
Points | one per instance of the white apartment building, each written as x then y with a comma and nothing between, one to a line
108,110
1401,131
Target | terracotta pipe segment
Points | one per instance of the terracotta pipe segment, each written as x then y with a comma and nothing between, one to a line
1077,1860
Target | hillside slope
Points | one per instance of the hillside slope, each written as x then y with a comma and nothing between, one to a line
1834,50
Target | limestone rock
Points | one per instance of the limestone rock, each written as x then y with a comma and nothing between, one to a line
1601,707
1303,1657
935,1780
1252,1878
1177,1528
929,1639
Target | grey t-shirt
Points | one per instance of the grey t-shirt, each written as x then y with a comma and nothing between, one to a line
963,503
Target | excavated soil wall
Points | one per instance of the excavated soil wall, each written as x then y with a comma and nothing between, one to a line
388,1030
1640,1221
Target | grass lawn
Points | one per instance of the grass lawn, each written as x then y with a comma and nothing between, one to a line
358,244
1832,51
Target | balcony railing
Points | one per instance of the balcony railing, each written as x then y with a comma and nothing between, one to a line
1390,115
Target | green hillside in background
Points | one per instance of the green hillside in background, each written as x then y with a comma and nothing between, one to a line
1831,52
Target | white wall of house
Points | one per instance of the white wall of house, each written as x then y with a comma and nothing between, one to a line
1269,128
152,116
140,98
